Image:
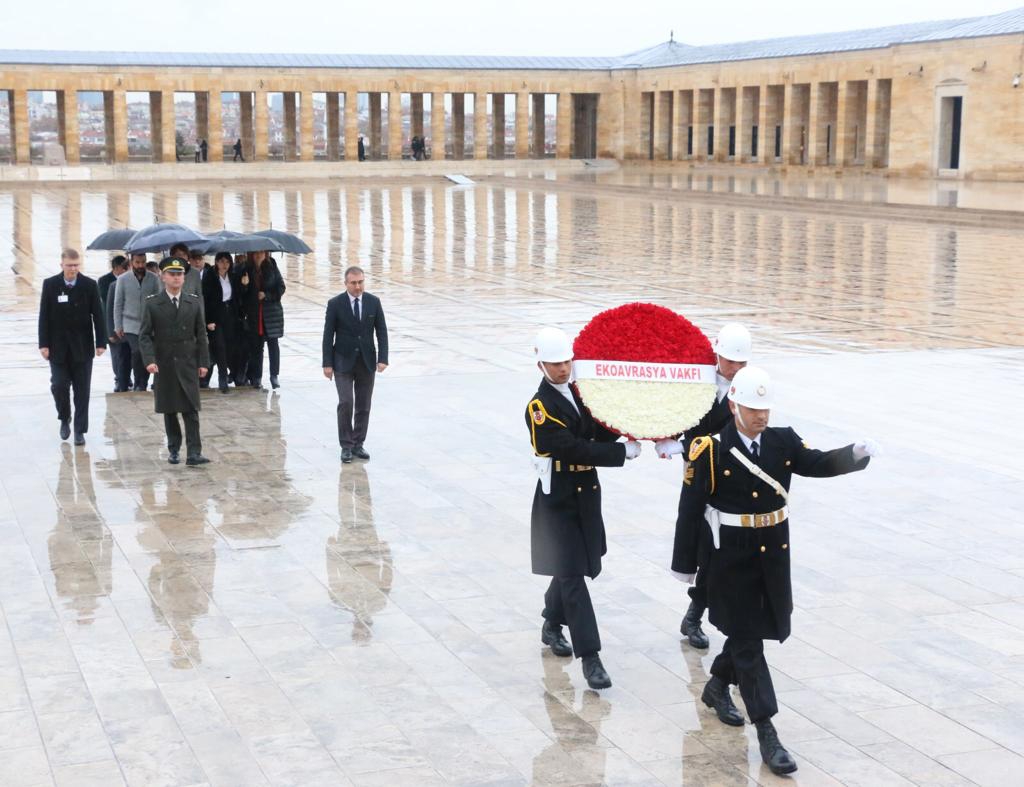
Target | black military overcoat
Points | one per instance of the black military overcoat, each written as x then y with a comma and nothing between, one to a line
566,528
749,590
175,340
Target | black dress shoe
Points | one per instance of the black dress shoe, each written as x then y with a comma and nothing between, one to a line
65,430
172,457
774,754
198,459
690,627
224,389
273,381
716,695
551,634
360,453
79,438
346,455
593,671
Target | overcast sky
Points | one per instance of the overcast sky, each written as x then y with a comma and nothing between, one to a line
513,27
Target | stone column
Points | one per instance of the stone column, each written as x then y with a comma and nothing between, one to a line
67,123
18,117
202,117
684,122
166,114
498,125
522,125
657,149
746,116
722,121
119,110
290,142
563,126
416,115
539,140
351,126
333,122
261,126
705,107
306,143
437,130
871,130
215,141
247,131
396,137
765,127
458,126
815,127
373,149
843,136
675,138
480,125
790,126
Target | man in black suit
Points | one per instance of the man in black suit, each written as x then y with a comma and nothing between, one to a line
120,352
71,333
352,360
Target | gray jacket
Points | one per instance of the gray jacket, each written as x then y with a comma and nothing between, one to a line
130,297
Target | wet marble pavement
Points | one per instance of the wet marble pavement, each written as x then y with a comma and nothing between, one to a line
278,618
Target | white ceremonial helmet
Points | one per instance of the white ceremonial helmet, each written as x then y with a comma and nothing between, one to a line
733,342
552,345
752,387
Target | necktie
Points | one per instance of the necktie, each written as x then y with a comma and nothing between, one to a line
175,302
753,449
355,308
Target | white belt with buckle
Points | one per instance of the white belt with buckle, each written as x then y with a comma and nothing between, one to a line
770,519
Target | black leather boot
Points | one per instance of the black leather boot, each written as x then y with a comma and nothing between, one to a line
551,634
593,671
716,695
690,627
774,754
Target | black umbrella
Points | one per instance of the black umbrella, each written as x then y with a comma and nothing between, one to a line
112,240
235,243
158,237
290,244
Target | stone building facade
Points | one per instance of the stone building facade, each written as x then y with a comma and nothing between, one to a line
931,98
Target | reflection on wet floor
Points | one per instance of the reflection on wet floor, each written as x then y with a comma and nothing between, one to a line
279,618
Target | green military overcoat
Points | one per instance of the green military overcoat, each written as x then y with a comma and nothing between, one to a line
175,340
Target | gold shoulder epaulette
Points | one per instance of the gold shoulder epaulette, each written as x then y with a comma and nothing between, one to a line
698,446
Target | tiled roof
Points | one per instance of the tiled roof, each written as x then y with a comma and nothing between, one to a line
670,53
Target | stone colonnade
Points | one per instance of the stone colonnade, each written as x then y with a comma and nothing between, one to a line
445,136
841,123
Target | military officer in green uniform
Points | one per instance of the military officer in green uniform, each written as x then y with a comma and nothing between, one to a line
738,485
174,348
566,528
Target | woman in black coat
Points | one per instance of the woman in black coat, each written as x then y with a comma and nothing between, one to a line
220,297
260,289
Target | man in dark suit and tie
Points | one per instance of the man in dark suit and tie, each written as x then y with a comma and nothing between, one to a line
352,360
71,333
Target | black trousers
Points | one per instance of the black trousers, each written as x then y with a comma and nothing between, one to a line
138,365
255,369
222,352
68,375
567,602
355,392
699,591
742,663
173,430
121,362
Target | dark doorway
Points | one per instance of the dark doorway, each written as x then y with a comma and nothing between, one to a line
732,141
711,140
584,109
753,141
950,129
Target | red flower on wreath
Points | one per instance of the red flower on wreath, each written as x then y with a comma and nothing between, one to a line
643,332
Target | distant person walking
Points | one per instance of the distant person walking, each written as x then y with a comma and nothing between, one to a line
204,149
71,333
362,150
237,147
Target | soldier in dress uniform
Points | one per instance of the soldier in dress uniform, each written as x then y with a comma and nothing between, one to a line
567,536
737,485
732,351
174,348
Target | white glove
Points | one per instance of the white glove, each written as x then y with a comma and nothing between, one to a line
632,449
866,447
668,447
687,578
